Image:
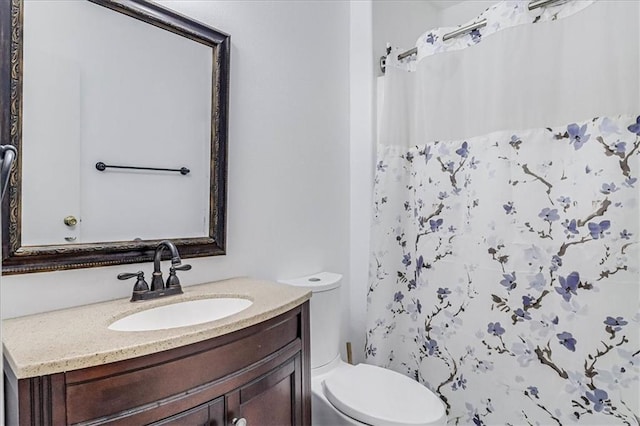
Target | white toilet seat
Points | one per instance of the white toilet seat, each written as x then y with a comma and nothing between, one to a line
381,397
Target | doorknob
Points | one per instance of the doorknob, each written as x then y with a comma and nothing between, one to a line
239,422
70,221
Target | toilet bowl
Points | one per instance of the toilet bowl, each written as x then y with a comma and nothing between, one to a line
344,394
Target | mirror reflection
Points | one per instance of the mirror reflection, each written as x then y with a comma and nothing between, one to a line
122,83
137,96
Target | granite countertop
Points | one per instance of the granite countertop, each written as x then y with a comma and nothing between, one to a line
79,337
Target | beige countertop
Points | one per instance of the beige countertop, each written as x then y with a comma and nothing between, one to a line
75,338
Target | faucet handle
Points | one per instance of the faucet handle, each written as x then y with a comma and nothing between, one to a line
181,268
140,285
127,275
172,280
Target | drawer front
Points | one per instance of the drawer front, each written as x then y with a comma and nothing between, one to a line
139,387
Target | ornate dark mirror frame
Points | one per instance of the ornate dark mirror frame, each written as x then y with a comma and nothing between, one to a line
22,259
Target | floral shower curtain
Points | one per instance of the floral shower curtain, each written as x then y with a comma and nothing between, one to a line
505,262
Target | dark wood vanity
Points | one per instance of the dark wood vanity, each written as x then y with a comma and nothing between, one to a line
260,374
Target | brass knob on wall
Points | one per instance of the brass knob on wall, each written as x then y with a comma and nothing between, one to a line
70,221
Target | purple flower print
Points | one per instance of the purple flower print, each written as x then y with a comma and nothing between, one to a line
463,151
414,309
635,128
477,421
625,235
443,293
419,264
442,195
570,227
533,391
608,188
431,346
577,382
568,286
577,135
615,323
398,297
629,182
381,166
567,340
608,126
435,224
521,314
450,166
619,147
597,230
565,201
412,285
474,163
427,154
538,282
430,38
525,352
406,259
460,383
598,397
515,142
371,350
549,214
509,208
556,262
476,37
495,329
527,301
509,280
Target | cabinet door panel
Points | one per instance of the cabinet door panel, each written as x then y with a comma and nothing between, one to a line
271,407
271,399
198,416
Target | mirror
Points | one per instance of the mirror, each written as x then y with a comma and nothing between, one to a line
117,132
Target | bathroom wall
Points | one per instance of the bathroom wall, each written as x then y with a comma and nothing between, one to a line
462,12
288,204
362,135
400,22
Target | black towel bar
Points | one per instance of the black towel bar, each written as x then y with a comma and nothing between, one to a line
101,166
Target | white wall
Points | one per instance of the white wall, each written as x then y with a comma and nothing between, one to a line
361,168
288,204
400,22
463,12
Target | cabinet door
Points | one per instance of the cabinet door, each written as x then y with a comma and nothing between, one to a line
271,400
209,414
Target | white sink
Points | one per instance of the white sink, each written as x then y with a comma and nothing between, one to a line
181,314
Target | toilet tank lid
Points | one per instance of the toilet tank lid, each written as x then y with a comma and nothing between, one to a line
321,281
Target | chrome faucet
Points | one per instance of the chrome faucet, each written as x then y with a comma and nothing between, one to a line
141,290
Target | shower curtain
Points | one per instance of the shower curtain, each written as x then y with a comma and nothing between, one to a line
504,270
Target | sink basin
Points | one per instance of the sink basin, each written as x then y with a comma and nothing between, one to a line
181,314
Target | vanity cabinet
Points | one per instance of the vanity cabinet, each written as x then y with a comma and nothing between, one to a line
260,373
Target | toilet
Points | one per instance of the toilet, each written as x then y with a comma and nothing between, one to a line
344,394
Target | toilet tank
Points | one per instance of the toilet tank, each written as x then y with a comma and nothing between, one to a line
325,314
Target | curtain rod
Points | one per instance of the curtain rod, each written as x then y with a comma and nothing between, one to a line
533,5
